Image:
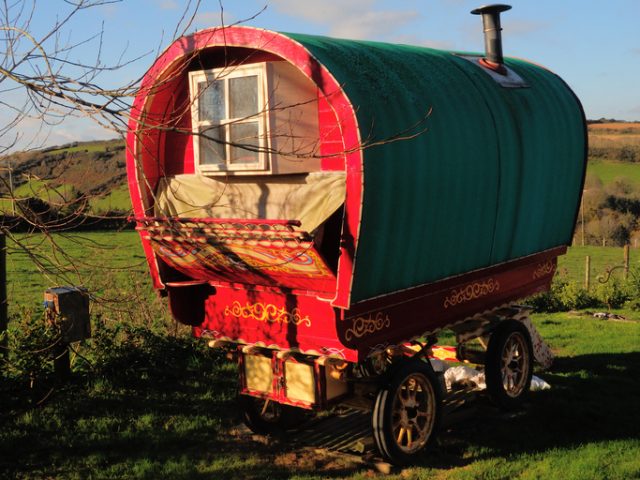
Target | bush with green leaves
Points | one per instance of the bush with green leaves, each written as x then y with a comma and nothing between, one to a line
548,301
564,296
573,296
31,346
120,354
611,293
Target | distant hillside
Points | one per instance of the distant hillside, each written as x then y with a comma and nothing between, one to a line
615,141
95,170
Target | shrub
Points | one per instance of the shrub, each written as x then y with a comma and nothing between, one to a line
549,301
572,296
611,294
627,154
31,348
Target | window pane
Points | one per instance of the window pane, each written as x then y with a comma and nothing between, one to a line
244,134
213,153
211,100
243,96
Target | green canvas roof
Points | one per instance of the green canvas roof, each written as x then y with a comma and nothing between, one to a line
491,174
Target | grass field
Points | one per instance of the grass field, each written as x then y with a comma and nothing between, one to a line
571,267
609,171
116,200
146,404
98,146
110,264
56,196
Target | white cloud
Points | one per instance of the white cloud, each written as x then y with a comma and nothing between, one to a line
359,19
323,11
523,27
168,5
213,19
33,133
373,24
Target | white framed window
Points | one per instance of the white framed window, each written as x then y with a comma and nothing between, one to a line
228,104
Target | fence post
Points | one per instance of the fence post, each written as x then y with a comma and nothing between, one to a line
587,272
4,317
626,261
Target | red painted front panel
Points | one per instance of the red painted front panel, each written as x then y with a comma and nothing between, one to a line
273,319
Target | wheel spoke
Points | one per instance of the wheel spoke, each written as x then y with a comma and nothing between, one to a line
513,365
401,435
265,407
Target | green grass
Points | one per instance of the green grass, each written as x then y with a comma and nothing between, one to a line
151,404
58,195
111,264
116,200
88,147
609,171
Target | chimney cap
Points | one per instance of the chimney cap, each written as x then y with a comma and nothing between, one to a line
495,8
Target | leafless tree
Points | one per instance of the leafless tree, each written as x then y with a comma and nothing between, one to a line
42,83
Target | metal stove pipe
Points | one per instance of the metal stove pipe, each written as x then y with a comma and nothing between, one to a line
492,36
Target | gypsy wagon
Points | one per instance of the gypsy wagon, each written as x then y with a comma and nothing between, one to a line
322,208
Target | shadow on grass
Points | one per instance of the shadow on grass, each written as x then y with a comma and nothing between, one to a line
151,407
593,398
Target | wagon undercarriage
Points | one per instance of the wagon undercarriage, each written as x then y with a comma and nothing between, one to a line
402,386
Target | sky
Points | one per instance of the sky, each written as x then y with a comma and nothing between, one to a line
593,46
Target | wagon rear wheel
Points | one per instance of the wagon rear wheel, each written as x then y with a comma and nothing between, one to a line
266,417
406,413
509,364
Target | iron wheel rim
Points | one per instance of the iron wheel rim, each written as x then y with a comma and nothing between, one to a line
413,413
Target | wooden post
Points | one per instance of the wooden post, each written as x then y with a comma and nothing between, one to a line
4,317
626,261
587,272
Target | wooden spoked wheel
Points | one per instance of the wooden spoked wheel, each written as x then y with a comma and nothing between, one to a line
514,364
509,364
406,413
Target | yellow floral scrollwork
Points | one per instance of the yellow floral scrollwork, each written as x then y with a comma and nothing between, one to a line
267,313
472,291
543,269
362,326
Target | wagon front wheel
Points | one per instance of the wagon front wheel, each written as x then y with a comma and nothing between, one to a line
509,364
406,413
266,417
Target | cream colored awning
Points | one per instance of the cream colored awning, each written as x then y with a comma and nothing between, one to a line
310,198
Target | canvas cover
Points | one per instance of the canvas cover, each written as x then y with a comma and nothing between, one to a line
310,198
